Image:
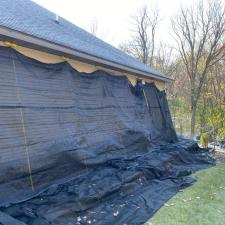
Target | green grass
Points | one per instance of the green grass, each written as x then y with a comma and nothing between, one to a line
201,204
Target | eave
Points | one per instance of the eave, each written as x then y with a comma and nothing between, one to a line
26,40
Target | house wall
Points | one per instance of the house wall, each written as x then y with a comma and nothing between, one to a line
79,66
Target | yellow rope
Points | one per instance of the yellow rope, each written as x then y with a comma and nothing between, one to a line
24,131
146,99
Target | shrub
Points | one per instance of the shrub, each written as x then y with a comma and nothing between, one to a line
204,140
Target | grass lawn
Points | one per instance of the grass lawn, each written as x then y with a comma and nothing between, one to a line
201,204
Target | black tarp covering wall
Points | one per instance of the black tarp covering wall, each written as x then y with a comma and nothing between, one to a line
85,143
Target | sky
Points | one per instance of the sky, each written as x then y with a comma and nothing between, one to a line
113,16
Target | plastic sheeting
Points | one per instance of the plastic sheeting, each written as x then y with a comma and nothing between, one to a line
82,148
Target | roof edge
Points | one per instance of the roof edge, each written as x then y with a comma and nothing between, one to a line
47,46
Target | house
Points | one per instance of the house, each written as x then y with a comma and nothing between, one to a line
64,90
75,130
40,34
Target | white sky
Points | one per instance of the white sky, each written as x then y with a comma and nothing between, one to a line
113,16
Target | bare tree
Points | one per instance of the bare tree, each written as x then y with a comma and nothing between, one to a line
96,30
164,59
142,43
94,27
199,32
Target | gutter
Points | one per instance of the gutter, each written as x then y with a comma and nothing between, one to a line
26,40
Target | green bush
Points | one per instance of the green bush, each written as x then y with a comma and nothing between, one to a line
204,140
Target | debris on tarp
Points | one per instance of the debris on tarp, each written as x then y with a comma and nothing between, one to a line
82,148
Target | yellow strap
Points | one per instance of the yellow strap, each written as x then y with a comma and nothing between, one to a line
9,44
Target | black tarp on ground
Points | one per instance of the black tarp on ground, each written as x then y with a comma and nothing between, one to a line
99,151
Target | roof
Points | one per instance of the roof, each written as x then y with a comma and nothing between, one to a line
29,18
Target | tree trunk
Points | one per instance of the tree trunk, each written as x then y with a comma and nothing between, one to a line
193,115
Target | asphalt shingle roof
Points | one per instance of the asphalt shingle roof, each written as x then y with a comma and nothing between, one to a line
32,19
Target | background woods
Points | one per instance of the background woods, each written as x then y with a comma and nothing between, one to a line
195,59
